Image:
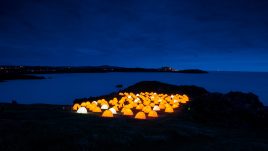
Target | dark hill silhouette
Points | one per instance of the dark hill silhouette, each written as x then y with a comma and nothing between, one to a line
231,109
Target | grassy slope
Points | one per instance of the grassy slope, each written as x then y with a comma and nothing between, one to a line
49,127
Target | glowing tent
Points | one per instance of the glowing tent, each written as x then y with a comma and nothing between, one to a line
96,109
156,108
76,106
88,106
84,104
139,107
104,107
82,110
116,108
153,114
130,104
113,110
147,109
95,102
107,113
162,106
169,110
140,115
92,106
127,112
175,105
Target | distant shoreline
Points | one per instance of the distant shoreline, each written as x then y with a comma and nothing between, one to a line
4,77
87,69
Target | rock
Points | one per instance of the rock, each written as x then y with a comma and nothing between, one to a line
233,107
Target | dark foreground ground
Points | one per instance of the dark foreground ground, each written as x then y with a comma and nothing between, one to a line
50,127
210,121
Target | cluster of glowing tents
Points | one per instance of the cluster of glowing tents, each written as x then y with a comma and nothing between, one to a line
140,106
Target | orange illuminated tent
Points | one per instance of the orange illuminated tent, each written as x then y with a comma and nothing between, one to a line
130,104
127,112
140,115
153,114
76,106
107,113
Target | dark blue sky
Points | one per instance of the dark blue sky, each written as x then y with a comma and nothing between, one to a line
206,34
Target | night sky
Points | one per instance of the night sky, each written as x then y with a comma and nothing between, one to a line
228,35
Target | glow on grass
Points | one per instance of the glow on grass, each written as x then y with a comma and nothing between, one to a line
143,105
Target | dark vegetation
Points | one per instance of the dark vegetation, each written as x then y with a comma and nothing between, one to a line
211,121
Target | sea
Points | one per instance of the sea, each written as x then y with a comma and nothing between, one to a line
65,88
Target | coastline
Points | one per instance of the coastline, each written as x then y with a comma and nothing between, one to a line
88,69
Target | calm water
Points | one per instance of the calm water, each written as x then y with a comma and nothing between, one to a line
64,88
